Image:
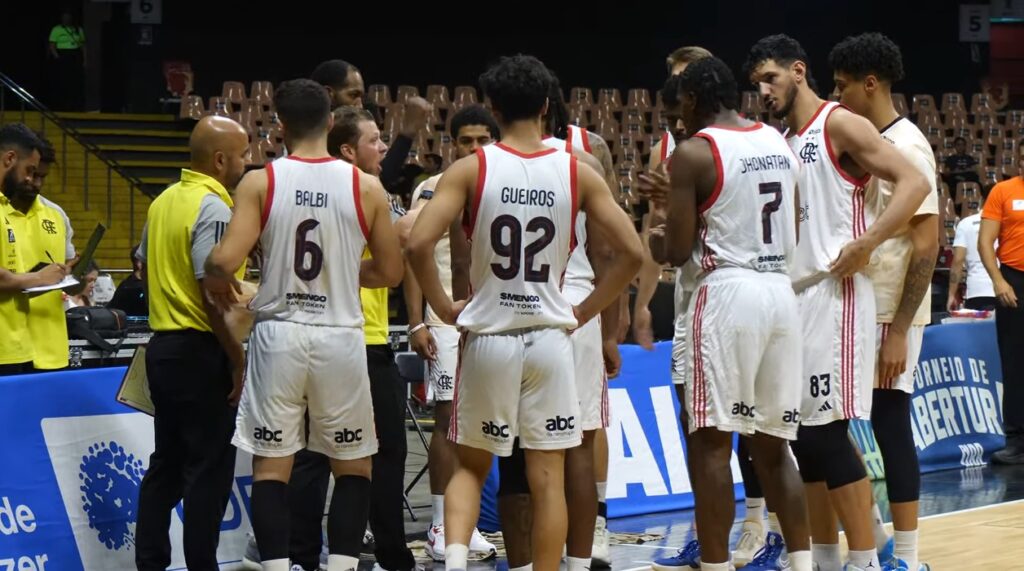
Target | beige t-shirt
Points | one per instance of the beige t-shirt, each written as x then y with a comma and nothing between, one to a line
888,268
442,255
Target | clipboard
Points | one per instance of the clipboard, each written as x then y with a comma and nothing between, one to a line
134,389
89,252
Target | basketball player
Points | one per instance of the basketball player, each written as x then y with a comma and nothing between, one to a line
472,127
734,184
596,356
838,150
515,374
306,308
864,68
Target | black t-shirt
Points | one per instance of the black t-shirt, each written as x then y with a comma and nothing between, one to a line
130,297
957,163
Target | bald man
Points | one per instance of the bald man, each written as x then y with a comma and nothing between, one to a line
194,365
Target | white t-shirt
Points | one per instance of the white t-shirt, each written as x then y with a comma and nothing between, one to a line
978,282
442,254
888,268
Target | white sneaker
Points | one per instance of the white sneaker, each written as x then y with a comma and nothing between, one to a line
479,548
251,557
751,541
435,543
599,555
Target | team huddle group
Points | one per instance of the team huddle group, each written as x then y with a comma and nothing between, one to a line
803,259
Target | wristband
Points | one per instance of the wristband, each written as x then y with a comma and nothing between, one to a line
417,328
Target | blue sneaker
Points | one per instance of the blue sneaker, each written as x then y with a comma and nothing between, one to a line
770,556
687,558
894,564
886,554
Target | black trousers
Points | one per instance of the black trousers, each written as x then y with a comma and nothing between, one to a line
1010,329
16,369
189,379
69,81
986,302
307,490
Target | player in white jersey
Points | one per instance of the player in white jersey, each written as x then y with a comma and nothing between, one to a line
515,370
838,150
732,212
596,355
313,215
437,342
864,68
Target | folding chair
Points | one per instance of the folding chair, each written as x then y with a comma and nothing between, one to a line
410,367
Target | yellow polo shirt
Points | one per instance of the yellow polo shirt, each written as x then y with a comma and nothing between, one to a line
15,340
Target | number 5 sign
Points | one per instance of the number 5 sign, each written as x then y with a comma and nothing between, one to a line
974,22
146,11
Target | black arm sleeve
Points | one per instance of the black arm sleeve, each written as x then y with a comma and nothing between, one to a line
391,166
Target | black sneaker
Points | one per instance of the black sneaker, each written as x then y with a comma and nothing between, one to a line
1013,454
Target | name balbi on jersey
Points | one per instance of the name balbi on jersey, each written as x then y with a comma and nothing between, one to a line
749,221
524,212
312,205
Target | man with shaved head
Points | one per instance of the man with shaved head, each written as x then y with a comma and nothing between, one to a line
193,363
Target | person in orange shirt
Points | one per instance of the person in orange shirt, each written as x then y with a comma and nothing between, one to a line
1003,218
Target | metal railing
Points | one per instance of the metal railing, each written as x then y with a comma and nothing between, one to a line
27,102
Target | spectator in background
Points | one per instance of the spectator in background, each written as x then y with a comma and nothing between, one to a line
67,48
979,293
44,234
345,86
1002,219
130,295
84,297
960,166
19,159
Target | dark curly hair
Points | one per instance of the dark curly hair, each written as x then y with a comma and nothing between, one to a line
710,81
868,54
517,86
303,106
780,47
474,114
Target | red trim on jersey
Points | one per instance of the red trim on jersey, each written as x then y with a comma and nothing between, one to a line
811,120
481,177
453,425
719,172
664,147
707,259
832,155
568,139
357,197
312,161
523,155
585,135
859,225
846,359
753,127
574,192
269,200
699,390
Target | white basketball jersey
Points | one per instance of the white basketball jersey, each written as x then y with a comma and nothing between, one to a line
579,272
314,233
668,144
521,230
442,255
749,221
832,213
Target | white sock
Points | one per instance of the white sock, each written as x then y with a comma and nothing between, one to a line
864,559
881,536
755,510
577,564
800,561
437,501
704,566
275,565
906,548
826,555
341,563
602,490
527,567
773,523
455,556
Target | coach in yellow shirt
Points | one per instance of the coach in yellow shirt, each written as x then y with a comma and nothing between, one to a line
19,159
44,235
193,364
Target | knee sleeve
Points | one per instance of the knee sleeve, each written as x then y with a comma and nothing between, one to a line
890,419
512,473
751,485
826,454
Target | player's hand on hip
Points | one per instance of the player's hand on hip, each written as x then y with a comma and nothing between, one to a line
457,309
612,358
422,342
1004,291
892,358
222,292
643,331
854,257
